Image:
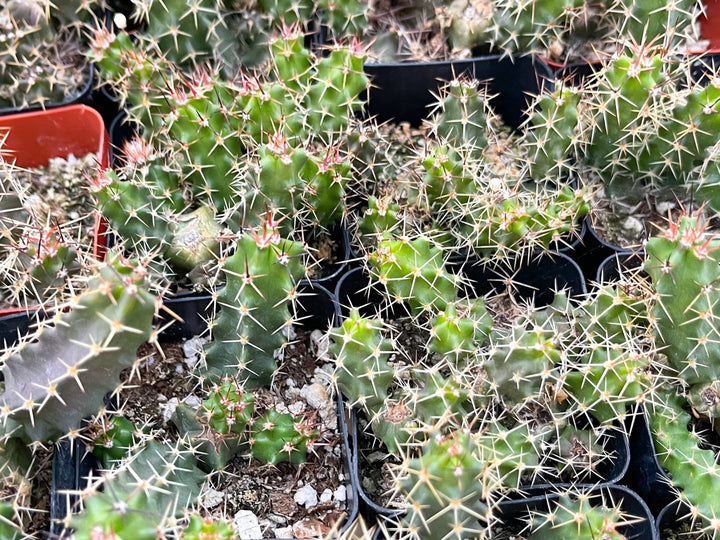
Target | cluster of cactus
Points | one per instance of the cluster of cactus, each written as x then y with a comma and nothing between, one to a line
574,515
683,266
474,198
60,372
555,27
44,252
226,423
133,500
219,153
550,367
41,53
639,123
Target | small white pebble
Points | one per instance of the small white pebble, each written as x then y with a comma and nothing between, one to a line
340,494
168,409
191,351
246,525
319,343
212,498
193,401
306,496
633,225
315,395
284,532
662,207
326,496
296,408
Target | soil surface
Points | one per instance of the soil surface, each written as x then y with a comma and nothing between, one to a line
285,500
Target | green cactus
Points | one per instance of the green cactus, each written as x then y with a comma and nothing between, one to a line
536,26
253,306
207,529
80,357
682,451
413,272
683,265
133,500
361,369
577,517
462,114
277,437
443,488
112,438
653,21
41,58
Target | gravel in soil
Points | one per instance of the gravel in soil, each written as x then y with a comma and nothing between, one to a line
629,225
301,501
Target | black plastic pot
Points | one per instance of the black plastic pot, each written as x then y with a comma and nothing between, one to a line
593,251
673,519
517,512
316,309
402,92
620,263
82,96
532,280
645,474
515,515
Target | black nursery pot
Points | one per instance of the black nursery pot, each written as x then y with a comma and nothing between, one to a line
645,474
534,281
515,513
71,466
620,263
83,95
402,92
675,519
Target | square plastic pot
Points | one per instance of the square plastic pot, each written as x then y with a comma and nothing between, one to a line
70,469
35,137
402,92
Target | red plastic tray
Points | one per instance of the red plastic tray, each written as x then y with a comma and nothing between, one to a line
34,138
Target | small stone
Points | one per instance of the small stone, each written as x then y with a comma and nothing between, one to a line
212,498
326,496
319,343
296,408
306,496
310,528
193,401
191,351
179,369
663,207
284,532
290,382
168,409
315,395
281,407
633,225
277,519
246,525
340,494
376,456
